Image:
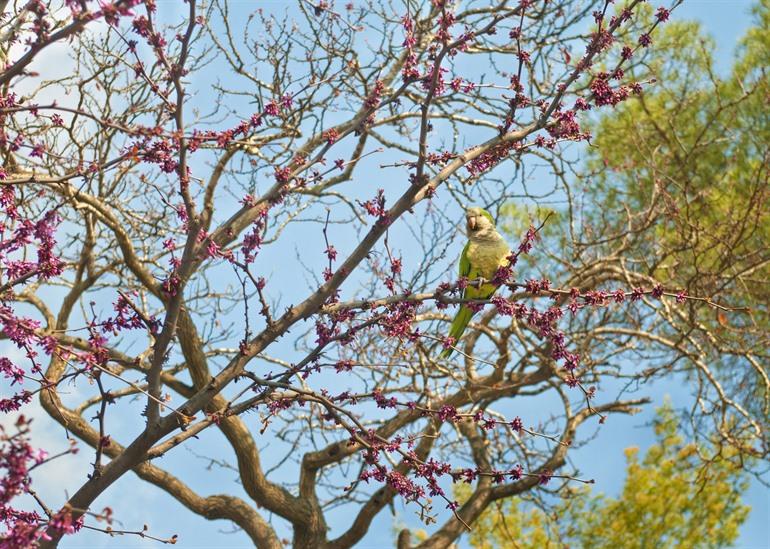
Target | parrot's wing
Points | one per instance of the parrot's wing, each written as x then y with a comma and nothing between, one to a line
465,264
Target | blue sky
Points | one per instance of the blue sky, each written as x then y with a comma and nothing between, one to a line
136,503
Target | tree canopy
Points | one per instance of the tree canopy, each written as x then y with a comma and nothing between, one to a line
670,498
232,232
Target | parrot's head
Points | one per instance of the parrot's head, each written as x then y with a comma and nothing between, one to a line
479,222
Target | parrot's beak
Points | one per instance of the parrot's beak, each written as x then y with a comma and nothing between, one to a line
472,223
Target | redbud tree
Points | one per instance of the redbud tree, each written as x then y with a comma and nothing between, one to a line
239,224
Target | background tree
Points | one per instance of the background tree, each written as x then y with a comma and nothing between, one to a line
695,175
669,499
227,229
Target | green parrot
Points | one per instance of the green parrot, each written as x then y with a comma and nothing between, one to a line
484,253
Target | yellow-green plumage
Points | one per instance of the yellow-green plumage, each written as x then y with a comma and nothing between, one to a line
484,253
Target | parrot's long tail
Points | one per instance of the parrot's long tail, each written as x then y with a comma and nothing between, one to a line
460,322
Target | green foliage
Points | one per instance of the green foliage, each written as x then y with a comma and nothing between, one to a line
670,500
516,218
680,175
693,151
